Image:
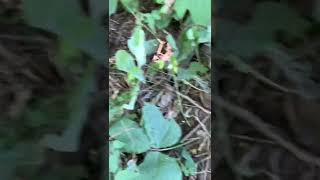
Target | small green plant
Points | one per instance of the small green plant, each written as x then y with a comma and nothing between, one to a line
151,134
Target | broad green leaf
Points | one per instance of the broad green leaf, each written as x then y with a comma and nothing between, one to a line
138,73
161,132
200,10
114,155
151,46
125,62
156,166
181,7
113,4
127,175
136,45
151,21
189,167
128,132
131,5
194,69
114,112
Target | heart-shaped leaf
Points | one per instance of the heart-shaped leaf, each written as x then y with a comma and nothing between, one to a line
128,132
125,62
156,166
162,132
114,155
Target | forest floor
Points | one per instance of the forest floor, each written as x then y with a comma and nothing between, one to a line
191,107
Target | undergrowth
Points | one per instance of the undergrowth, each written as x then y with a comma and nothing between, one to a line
143,142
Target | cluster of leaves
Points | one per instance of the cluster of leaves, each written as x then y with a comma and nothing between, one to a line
153,132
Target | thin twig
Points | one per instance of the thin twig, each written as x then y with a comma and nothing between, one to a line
194,130
193,102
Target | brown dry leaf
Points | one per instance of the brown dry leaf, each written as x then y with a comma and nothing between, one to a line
163,56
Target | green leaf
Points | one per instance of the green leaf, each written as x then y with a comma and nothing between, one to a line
125,62
131,5
114,112
134,96
200,10
128,132
156,166
162,132
151,21
181,7
159,1
172,43
136,45
205,35
189,167
127,175
113,4
194,69
151,46
114,155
